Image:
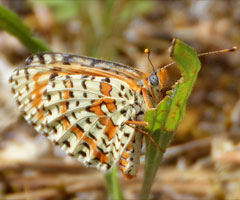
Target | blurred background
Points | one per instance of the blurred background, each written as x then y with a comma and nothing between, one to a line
203,161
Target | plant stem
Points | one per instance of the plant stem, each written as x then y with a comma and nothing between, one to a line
153,162
113,185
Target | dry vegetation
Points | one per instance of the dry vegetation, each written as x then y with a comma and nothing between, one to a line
203,161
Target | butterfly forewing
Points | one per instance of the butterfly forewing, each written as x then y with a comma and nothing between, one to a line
82,105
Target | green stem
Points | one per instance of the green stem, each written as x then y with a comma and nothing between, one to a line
113,185
153,162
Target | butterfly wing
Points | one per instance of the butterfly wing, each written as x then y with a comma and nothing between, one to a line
80,103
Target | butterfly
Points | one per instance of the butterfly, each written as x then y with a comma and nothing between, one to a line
91,108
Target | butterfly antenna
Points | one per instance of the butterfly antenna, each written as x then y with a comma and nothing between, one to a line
219,51
147,51
234,48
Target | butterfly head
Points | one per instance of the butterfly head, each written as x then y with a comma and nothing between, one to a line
156,80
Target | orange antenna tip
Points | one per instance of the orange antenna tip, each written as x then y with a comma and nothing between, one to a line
234,48
146,51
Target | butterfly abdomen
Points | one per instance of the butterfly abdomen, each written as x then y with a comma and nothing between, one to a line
130,157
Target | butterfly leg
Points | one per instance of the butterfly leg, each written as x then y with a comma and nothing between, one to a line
146,98
139,123
144,132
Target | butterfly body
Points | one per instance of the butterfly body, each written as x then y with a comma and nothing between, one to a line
83,104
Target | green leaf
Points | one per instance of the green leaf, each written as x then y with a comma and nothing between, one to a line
164,120
11,23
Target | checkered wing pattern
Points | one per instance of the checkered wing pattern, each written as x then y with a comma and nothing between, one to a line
82,104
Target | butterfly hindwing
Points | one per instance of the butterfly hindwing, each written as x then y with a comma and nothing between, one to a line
86,119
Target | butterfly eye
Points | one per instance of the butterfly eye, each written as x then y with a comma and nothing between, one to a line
153,79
